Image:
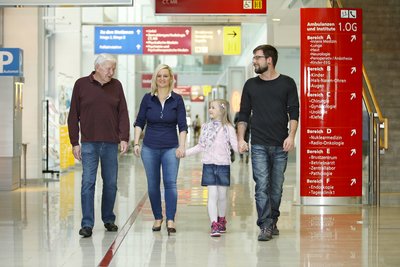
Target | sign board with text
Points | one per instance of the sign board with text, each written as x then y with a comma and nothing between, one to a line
118,40
66,3
184,7
207,40
331,106
11,62
167,40
183,90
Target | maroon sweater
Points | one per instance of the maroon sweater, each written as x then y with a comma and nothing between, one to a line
100,112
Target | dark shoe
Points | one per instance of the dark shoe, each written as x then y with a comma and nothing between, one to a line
111,227
157,227
171,227
265,234
85,232
275,230
222,224
215,230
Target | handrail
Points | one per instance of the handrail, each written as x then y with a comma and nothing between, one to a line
338,2
369,93
383,143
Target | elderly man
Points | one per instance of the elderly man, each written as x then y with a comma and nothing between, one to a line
99,114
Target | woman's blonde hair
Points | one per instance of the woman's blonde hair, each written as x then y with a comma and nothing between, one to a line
224,107
154,78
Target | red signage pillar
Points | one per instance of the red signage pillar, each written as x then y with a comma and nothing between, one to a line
331,106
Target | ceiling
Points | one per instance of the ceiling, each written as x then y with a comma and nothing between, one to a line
285,10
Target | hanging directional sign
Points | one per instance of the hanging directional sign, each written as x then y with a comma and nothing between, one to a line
118,40
47,3
168,40
207,40
232,40
184,7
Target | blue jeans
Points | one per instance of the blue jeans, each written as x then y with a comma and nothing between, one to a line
269,165
216,175
154,160
107,154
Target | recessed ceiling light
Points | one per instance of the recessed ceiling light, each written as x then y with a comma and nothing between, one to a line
275,19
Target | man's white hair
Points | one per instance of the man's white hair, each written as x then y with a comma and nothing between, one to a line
103,58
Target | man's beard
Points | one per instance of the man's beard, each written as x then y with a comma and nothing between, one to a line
260,70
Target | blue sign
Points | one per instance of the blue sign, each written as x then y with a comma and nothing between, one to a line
118,40
11,62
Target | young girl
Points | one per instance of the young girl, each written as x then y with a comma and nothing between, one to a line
216,139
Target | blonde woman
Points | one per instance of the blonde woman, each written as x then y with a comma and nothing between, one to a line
161,111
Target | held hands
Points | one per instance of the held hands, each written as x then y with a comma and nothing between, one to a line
243,146
180,152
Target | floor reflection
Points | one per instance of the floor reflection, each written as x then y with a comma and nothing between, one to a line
163,251
331,234
39,226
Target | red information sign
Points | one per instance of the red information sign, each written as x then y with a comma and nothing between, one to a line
146,80
167,40
257,7
331,103
183,90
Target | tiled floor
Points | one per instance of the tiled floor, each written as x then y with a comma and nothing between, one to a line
39,226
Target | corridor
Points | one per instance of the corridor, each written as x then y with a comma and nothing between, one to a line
39,226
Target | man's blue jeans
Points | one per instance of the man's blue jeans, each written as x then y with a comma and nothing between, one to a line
154,160
107,154
269,165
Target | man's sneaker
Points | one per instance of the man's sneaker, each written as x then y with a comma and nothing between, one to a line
265,234
215,230
222,224
275,230
85,232
111,227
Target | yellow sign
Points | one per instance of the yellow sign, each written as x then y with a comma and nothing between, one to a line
206,89
66,156
232,40
257,4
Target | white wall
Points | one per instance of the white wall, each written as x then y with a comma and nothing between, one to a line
286,36
73,61
68,43
67,54
18,34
